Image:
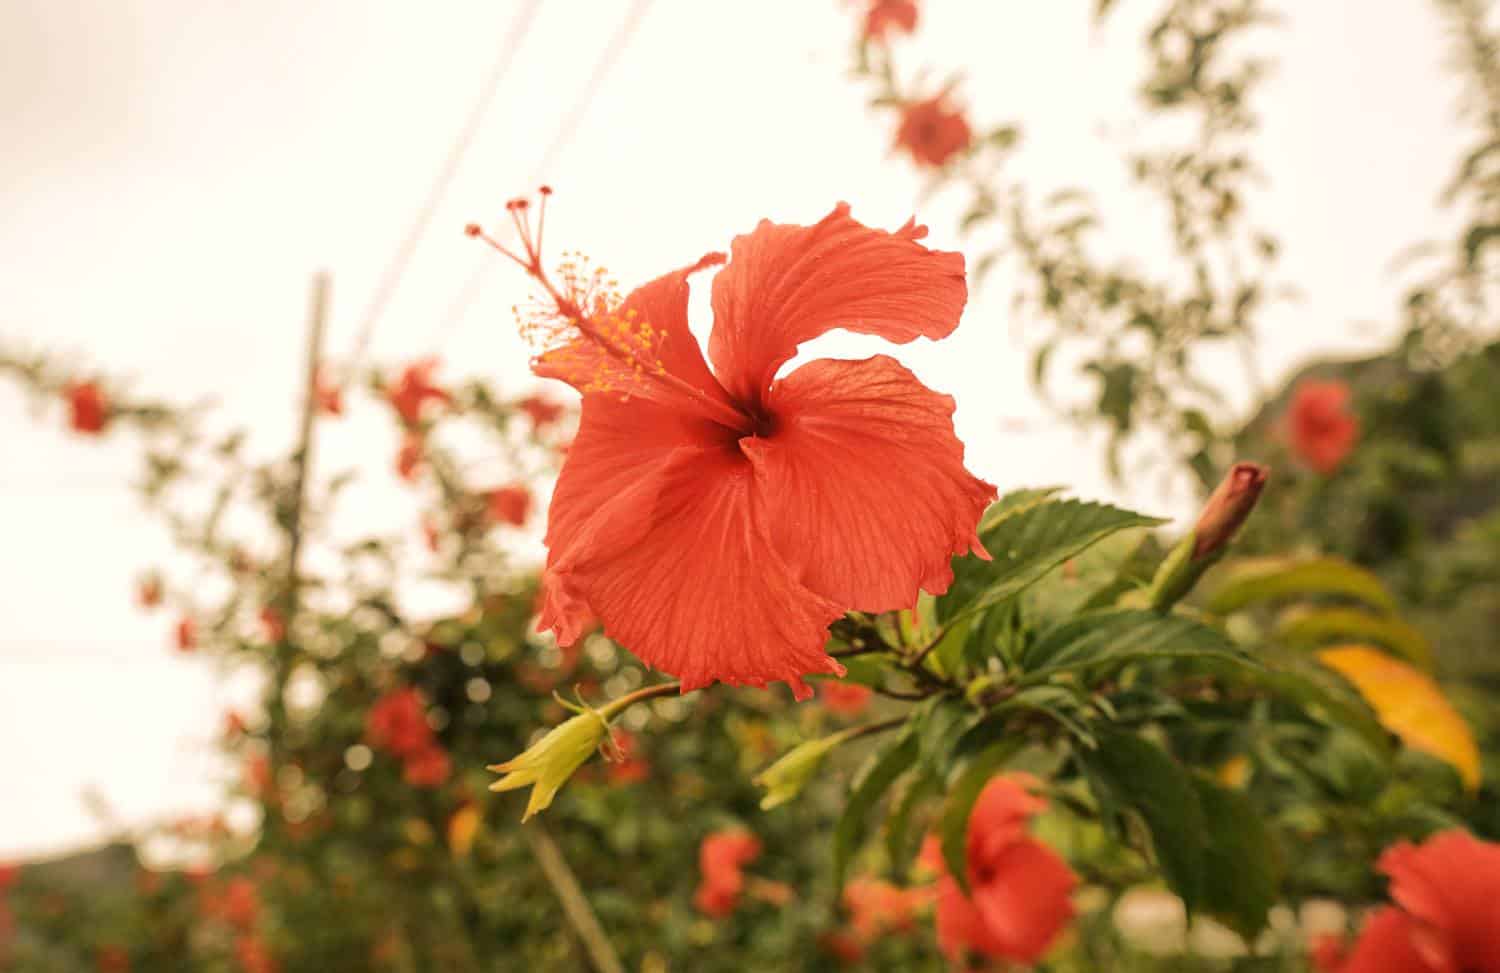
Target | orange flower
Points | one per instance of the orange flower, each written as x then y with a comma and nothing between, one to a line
186,635
542,411
148,591
1319,426
509,504
414,389
1020,890
885,16
87,406
933,132
410,456
844,698
327,394
272,624
428,767
721,859
877,907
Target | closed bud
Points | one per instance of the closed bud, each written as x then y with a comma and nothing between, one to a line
785,778
1227,508
547,765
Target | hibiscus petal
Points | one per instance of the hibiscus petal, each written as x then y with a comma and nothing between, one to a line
866,492
1385,946
671,352
618,447
680,570
1451,883
786,284
1025,898
960,927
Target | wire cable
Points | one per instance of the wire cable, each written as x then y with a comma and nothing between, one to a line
472,287
396,269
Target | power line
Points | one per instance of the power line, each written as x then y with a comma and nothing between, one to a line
470,291
396,269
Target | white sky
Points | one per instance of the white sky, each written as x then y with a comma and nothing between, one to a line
174,171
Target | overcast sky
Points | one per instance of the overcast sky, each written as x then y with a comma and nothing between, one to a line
174,171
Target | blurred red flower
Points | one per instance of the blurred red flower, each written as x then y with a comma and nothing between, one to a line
681,517
410,456
844,698
430,535
148,591
254,956
397,723
259,780
272,624
1020,889
88,407
327,393
9,875
112,959
933,132
234,902
1446,913
509,504
877,907
885,16
234,724
843,946
721,860
414,389
1319,426
186,635
628,767
1327,953
542,411
428,767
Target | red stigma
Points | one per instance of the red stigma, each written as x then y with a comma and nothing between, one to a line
473,229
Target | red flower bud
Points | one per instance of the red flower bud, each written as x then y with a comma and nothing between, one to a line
1227,508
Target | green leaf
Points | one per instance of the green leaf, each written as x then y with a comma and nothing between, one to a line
946,721
1120,636
1026,540
1242,865
853,825
953,829
1078,582
1254,580
900,836
1319,693
1141,775
1310,627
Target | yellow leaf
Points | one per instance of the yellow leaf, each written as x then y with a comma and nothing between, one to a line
1410,705
463,828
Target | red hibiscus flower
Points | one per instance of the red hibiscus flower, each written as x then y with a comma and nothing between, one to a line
186,635
844,698
397,723
933,132
627,765
428,767
509,504
327,394
1447,911
542,411
272,624
88,408
148,591
877,907
885,16
715,521
410,456
721,859
414,389
1319,426
1020,890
